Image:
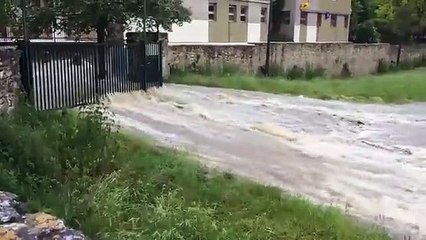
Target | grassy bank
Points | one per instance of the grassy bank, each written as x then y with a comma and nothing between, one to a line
113,186
395,87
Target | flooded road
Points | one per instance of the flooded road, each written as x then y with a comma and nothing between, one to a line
368,159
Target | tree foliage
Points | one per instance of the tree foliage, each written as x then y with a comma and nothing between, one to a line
82,16
362,27
394,21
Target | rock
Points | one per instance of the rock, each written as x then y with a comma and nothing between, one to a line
8,204
16,225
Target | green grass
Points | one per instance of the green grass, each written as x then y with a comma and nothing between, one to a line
116,186
396,87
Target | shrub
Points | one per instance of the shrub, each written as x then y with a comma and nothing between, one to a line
229,69
275,70
383,66
393,67
406,64
49,149
420,61
313,72
346,72
209,69
175,71
295,73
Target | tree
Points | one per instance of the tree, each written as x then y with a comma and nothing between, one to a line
400,20
83,16
277,15
3,13
362,27
392,21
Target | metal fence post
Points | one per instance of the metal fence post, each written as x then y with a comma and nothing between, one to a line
96,73
143,63
160,63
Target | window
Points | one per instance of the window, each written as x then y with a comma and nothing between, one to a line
346,21
212,11
303,18
263,14
333,20
319,19
243,13
286,17
232,15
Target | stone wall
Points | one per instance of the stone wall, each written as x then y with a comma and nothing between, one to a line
9,77
409,52
164,54
360,58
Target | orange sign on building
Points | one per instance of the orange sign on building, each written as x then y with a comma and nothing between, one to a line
304,6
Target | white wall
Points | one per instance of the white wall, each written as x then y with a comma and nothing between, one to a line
195,32
296,18
253,32
311,35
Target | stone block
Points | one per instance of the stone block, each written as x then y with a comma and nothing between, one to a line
9,77
15,224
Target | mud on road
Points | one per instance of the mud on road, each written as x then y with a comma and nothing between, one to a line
368,159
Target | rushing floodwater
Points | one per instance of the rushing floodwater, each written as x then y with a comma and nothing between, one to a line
368,159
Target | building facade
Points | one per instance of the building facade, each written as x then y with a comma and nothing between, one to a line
318,20
218,21
222,21
246,21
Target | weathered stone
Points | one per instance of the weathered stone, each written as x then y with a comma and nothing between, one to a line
332,57
8,204
39,226
9,77
45,226
409,52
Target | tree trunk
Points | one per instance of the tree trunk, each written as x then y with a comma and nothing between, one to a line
101,35
115,32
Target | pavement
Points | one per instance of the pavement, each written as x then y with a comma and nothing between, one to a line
368,159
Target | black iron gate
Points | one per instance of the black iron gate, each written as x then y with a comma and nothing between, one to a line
69,74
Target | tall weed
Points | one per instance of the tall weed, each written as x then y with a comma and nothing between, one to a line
79,168
53,148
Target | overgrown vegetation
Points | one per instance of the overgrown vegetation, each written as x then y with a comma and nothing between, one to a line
114,186
107,18
406,64
275,70
309,72
397,21
398,87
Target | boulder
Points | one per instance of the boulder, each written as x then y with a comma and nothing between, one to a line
16,224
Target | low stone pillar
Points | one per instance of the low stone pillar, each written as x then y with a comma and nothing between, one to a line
10,77
164,58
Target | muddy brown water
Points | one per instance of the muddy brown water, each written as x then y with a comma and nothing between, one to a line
368,159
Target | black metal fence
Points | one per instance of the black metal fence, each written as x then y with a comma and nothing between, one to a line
69,74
